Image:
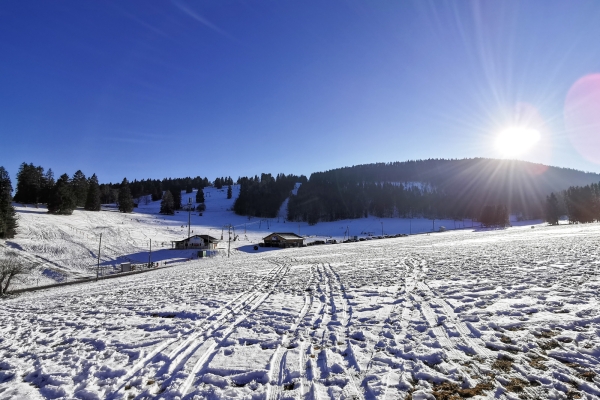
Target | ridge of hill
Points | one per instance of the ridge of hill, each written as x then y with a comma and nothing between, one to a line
450,189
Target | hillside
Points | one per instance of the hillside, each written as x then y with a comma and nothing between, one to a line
432,188
505,314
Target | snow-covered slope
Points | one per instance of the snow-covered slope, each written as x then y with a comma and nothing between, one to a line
67,246
504,314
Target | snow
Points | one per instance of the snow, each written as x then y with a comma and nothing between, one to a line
515,308
374,319
67,246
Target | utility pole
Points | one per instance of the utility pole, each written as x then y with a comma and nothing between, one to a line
229,244
189,212
98,267
410,226
150,254
433,228
381,228
298,229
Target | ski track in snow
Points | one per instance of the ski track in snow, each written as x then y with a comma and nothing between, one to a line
513,311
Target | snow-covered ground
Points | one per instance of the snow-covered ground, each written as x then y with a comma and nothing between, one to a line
501,314
67,246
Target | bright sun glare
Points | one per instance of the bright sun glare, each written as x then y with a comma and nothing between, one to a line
516,140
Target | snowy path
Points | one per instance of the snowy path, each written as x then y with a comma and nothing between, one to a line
500,314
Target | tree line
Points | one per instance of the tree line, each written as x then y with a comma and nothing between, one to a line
581,204
35,185
262,197
449,189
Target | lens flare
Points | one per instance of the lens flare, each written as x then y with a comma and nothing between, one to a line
516,140
582,116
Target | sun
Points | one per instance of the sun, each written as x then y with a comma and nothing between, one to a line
516,140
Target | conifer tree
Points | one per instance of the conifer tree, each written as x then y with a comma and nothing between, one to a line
8,217
29,181
229,192
200,196
167,205
125,198
80,188
552,209
92,202
62,200
48,183
176,198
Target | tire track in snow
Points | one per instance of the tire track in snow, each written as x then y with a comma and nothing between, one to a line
337,291
275,366
208,348
177,357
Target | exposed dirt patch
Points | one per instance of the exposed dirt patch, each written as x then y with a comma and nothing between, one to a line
588,376
451,391
571,394
516,385
548,345
503,364
505,339
536,362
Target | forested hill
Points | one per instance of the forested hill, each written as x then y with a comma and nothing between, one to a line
431,188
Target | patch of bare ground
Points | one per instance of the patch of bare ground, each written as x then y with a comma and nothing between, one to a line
545,334
536,362
451,391
503,364
548,345
588,376
516,385
505,339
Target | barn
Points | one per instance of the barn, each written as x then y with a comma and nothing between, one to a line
200,242
283,240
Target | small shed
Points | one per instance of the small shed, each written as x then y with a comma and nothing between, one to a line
200,242
283,240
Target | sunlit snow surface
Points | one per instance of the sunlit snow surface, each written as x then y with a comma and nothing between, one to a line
512,312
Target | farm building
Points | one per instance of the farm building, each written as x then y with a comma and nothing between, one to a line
200,242
283,240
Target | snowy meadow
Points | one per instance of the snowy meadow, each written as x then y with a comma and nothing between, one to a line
507,313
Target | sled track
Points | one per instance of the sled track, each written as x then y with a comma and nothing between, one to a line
178,357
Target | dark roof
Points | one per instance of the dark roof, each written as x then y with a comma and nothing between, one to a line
285,235
205,237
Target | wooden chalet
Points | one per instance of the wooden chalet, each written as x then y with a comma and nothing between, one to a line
283,240
196,242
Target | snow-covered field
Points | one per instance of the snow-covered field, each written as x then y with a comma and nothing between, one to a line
67,246
500,314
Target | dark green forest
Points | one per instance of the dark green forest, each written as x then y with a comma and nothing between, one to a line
581,204
262,197
453,189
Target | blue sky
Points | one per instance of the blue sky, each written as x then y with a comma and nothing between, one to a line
216,88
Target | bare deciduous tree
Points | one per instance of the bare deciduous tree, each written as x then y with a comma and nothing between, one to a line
13,267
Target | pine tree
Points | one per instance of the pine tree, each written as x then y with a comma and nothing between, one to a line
80,188
8,217
48,183
200,196
167,205
29,182
229,192
92,202
552,209
62,199
125,198
176,198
